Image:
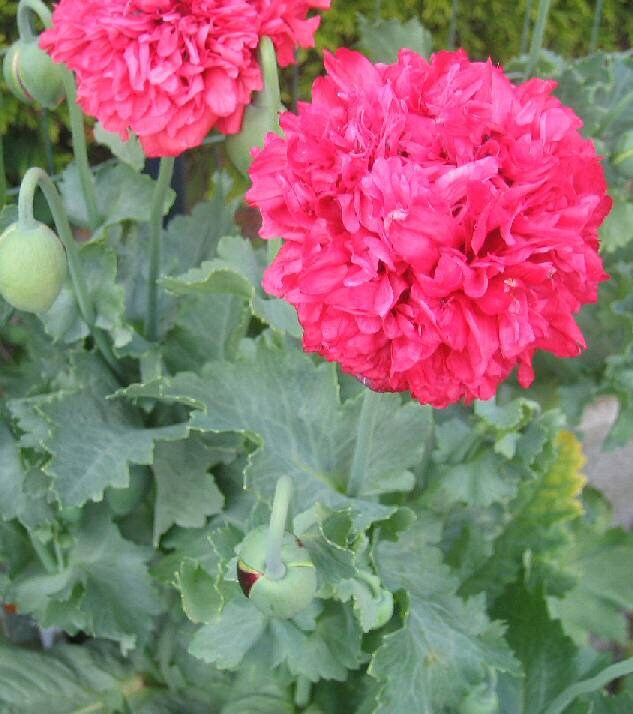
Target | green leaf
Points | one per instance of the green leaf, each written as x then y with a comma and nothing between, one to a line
193,238
328,652
480,482
207,327
325,534
65,679
122,195
93,441
238,271
534,522
597,604
63,321
11,475
548,656
446,645
230,636
383,39
24,492
185,491
130,151
200,599
103,588
617,230
291,409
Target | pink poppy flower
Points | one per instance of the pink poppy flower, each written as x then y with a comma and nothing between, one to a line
440,223
171,70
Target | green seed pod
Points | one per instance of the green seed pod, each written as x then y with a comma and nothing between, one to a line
622,159
261,116
31,74
32,267
284,597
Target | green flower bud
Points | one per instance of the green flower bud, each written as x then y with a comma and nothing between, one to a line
623,156
32,267
261,116
31,74
284,597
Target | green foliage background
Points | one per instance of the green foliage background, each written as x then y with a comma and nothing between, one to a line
492,27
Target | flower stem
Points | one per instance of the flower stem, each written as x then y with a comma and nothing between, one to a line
275,568
595,30
80,150
3,177
452,28
25,29
37,178
537,37
593,684
525,33
156,231
303,691
37,7
368,413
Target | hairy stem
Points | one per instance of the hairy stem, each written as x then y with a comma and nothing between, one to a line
595,30
156,233
23,17
275,568
80,149
37,178
537,37
452,27
366,423
525,33
3,177
303,691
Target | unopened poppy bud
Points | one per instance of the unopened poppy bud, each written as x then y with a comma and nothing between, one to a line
31,74
261,116
282,597
32,266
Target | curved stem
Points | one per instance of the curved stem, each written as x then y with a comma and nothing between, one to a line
537,37
586,686
37,7
303,691
275,568
37,178
595,30
156,230
79,148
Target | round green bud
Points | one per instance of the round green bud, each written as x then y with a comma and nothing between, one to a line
31,74
283,597
32,267
622,159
